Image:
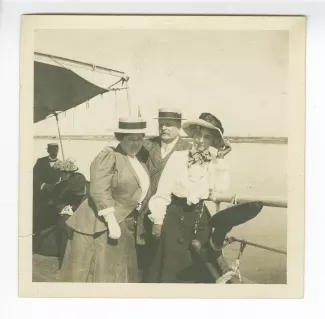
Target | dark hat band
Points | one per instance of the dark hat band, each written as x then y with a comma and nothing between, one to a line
170,114
132,126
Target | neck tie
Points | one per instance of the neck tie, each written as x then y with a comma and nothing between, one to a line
194,156
164,150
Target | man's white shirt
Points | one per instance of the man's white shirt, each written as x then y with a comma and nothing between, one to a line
166,148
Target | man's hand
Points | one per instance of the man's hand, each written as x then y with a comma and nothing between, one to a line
156,230
214,196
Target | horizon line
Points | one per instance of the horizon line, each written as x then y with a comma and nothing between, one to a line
234,138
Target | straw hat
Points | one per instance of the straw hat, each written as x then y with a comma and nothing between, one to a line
169,114
69,165
131,125
207,120
226,219
52,145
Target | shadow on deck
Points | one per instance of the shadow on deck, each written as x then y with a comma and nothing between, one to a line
45,268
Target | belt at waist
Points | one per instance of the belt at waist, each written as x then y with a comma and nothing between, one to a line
183,201
133,214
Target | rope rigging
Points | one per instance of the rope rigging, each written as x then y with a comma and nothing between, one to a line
234,270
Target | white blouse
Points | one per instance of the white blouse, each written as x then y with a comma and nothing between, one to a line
194,183
142,175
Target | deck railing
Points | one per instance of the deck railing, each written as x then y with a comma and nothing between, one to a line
227,271
269,201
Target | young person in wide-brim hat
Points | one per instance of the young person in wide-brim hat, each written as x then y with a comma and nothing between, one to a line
177,209
68,195
108,224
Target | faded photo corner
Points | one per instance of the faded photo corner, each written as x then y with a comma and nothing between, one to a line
163,152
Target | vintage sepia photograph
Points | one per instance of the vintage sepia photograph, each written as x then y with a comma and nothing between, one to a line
164,152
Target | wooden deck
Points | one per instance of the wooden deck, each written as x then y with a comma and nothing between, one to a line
45,269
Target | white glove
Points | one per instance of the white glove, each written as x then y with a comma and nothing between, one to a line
113,226
67,210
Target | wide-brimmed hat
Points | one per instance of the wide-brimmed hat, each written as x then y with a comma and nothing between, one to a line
226,219
207,120
68,165
131,125
169,114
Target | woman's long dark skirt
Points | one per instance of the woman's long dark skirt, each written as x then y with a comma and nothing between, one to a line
173,261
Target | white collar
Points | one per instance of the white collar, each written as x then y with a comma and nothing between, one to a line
171,144
132,158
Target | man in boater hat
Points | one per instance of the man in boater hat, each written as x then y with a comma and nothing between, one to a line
44,179
160,148
44,173
156,153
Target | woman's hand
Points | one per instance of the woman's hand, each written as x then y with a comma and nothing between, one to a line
213,196
223,151
156,230
113,227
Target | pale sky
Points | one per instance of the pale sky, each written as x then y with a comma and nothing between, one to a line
239,76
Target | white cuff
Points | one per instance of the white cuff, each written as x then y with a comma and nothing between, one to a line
107,211
67,210
42,185
59,181
220,164
156,220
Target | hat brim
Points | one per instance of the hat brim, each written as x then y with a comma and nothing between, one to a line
225,220
80,191
128,131
70,170
168,118
236,215
186,127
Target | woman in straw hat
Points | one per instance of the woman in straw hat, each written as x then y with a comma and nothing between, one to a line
177,209
69,194
107,225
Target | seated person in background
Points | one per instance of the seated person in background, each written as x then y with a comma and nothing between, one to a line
44,179
68,195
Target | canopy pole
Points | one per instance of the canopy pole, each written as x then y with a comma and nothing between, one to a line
80,63
57,123
128,98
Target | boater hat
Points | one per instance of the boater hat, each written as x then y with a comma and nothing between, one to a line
131,125
226,219
207,120
52,145
169,114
